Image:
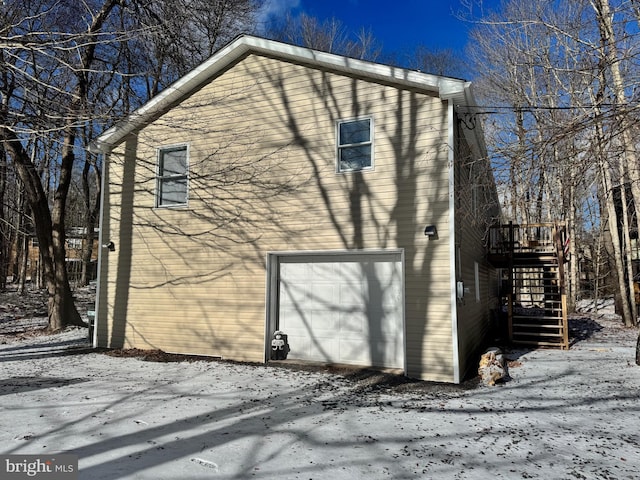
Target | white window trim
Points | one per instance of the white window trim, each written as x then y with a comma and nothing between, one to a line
159,151
370,142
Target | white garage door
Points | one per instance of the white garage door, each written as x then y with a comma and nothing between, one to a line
343,308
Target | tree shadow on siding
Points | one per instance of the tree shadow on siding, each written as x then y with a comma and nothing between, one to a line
176,252
372,221
273,186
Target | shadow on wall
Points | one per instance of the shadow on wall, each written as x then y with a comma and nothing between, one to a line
125,236
411,163
238,192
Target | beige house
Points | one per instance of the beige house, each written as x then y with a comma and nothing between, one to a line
280,188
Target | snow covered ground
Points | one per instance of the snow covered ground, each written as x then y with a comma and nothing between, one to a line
564,414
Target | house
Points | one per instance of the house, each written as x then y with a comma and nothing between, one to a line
343,202
74,243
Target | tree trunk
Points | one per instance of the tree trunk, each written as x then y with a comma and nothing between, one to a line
90,219
24,254
612,217
610,55
574,281
61,309
627,260
5,252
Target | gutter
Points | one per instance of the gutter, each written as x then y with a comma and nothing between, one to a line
452,243
100,251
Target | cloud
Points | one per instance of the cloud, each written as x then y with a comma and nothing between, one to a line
273,9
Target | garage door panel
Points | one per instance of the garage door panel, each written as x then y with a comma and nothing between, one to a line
390,328
294,294
361,352
324,322
323,349
354,323
350,295
319,348
320,322
390,298
298,344
343,308
322,295
355,351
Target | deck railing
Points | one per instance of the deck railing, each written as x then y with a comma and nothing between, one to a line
529,238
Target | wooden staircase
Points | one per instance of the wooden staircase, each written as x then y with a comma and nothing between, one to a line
534,299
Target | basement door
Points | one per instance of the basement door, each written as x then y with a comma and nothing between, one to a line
343,308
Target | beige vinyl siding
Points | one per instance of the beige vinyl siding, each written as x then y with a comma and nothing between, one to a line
261,141
472,223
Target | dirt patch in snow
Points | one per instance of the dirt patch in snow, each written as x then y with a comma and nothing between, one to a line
366,379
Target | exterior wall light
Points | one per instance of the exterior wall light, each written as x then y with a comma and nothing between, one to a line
431,231
111,246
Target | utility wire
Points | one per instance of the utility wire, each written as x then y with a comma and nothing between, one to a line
531,108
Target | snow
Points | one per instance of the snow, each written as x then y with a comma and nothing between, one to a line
563,414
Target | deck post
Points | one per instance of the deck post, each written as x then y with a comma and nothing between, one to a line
510,294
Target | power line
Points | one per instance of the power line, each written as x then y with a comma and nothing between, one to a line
501,109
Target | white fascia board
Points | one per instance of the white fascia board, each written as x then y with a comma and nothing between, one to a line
111,137
446,88
364,68
453,89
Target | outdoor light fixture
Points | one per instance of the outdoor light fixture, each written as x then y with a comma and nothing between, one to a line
111,246
431,231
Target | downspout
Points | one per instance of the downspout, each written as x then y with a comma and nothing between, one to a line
101,249
452,241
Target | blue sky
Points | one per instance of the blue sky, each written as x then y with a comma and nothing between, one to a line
399,25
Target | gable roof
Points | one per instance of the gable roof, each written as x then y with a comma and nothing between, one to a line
459,91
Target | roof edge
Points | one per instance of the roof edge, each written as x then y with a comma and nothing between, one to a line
447,88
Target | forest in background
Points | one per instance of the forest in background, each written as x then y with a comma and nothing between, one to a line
555,83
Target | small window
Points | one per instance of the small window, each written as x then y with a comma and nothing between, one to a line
355,145
172,176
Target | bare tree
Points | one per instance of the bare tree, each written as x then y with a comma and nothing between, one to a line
66,72
437,61
5,225
628,161
556,82
330,35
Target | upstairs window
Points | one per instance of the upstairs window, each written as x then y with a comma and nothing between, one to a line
172,176
355,145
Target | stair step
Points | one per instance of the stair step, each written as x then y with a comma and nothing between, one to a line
542,327
539,338
535,303
542,334
540,343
